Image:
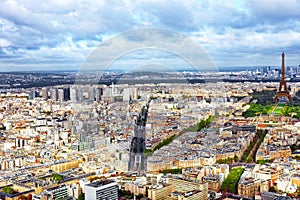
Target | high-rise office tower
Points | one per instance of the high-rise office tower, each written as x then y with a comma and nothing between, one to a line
60,94
45,93
73,94
54,94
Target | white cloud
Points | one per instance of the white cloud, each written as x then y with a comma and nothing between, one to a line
4,43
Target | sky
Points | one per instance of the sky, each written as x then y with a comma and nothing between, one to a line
61,35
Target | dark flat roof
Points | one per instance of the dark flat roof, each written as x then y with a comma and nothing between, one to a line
100,183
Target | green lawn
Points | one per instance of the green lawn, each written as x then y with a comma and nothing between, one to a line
281,109
257,109
231,182
278,111
292,109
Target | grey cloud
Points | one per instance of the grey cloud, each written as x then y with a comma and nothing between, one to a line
276,10
53,30
172,14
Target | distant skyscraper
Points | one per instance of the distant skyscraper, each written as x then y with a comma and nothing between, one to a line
265,70
54,94
129,94
108,91
60,94
298,70
79,94
66,94
289,71
98,94
91,94
45,93
32,94
126,94
73,94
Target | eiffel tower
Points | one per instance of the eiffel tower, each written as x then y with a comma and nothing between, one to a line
282,90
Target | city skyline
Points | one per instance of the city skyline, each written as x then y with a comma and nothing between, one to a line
61,35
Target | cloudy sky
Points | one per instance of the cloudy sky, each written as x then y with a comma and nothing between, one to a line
62,34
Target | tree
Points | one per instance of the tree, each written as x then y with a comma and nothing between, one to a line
81,196
249,160
172,171
272,189
231,182
8,190
57,177
236,158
